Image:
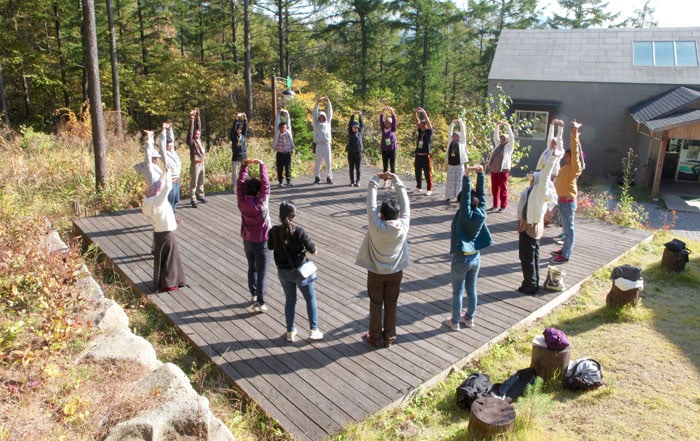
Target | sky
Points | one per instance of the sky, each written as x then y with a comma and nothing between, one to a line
668,13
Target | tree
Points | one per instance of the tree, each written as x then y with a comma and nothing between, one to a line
94,90
116,96
643,17
582,14
247,69
3,102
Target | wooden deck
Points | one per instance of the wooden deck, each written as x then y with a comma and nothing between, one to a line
314,389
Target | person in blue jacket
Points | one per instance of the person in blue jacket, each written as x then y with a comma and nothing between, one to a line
468,235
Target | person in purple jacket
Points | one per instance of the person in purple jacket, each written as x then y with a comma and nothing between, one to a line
388,143
253,196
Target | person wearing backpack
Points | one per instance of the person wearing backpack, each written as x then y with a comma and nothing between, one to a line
468,235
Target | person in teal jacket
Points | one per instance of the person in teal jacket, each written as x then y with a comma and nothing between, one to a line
469,234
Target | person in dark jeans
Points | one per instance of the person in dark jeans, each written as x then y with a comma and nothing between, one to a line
253,197
354,147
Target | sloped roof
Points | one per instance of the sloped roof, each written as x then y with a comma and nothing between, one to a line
671,102
678,107
587,55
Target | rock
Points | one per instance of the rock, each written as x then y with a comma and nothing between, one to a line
121,344
183,415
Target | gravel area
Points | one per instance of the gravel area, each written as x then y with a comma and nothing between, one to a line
686,224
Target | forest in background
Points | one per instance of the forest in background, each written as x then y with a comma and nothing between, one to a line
160,58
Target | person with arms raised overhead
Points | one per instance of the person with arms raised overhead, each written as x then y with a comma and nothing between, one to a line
423,162
197,156
323,139
283,144
499,165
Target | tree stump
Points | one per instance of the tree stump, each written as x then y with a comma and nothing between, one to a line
489,416
548,362
674,260
618,298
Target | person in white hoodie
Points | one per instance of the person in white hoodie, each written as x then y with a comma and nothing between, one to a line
322,139
168,273
384,254
172,162
531,210
456,157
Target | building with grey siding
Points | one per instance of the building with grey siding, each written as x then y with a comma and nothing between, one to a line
622,84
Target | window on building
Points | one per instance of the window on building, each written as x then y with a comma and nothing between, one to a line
534,123
665,53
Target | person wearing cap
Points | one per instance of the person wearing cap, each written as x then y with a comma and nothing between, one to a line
384,254
168,272
567,190
423,163
499,165
322,139
149,169
197,156
238,144
172,162
531,209
388,144
354,147
456,156
468,235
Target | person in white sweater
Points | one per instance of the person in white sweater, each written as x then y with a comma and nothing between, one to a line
531,210
168,272
322,139
456,157
500,164
384,254
172,162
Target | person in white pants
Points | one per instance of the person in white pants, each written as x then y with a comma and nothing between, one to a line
322,139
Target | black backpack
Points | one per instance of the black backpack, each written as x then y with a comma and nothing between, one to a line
583,374
475,386
514,387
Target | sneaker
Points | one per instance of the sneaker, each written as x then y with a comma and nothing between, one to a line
281,184
560,259
429,193
254,299
317,180
315,334
352,184
467,323
194,204
450,324
559,242
419,190
291,336
357,184
500,210
492,209
560,236
557,252
329,180
259,308
202,199
372,342
290,184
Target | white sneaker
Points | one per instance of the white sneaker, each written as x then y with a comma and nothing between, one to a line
254,299
259,308
315,334
291,336
429,193
419,190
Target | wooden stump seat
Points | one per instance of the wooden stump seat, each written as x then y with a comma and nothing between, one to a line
618,298
674,260
548,362
489,416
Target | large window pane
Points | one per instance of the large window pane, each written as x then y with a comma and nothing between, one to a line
664,53
536,124
686,53
642,53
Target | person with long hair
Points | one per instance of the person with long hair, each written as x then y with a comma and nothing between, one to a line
253,197
290,244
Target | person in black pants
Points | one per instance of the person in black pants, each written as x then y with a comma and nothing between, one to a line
356,130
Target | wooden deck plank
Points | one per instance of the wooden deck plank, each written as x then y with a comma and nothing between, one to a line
314,389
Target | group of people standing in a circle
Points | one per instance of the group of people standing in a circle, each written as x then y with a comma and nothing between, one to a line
383,252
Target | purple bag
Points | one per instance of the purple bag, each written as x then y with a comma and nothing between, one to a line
556,339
